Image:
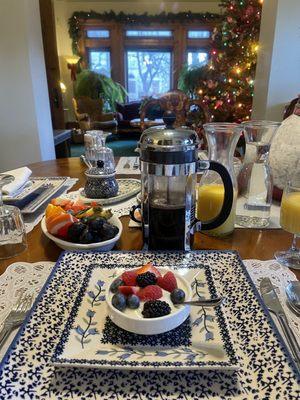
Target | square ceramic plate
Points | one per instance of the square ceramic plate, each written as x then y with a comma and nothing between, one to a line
91,339
266,368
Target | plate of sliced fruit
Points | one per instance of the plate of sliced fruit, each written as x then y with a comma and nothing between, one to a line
74,225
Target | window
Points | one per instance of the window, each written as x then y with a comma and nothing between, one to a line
198,34
143,33
99,61
148,73
146,59
97,34
196,58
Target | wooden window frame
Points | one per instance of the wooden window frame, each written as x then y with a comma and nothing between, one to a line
118,43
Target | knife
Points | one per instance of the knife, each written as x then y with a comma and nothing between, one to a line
48,188
271,300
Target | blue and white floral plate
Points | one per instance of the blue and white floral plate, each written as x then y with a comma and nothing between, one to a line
266,368
128,187
91,339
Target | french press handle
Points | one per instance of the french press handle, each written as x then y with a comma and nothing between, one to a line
228,196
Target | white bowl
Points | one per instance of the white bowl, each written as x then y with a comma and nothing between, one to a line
151,326
100,246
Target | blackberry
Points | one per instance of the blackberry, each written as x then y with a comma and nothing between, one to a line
146,279
156,308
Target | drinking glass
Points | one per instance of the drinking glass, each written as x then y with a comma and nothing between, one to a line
12,228
106,155
290,222
255,178
93,140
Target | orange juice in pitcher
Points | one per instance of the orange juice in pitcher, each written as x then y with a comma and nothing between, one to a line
209,204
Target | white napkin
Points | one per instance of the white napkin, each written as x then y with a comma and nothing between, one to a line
21,177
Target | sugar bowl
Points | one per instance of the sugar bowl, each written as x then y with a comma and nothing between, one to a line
101,180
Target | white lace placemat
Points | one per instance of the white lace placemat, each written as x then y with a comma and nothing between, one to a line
22,277
31,220
117,209
274,220
280,276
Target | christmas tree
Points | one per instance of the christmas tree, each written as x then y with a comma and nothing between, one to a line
226,83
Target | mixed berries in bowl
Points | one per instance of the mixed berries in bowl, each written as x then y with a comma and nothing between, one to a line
148,300
73,225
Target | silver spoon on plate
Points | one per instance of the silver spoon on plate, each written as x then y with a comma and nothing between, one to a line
205,302
293,296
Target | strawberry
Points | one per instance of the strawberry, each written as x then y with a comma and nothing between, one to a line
58,201
167,282
151,292
129,278
148,268
127,290
63,231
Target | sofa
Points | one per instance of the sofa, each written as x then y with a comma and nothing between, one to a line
125,113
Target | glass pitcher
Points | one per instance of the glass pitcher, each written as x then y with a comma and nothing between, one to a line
222,139
255,178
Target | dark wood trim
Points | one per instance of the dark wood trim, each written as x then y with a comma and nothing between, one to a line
118,44
52,63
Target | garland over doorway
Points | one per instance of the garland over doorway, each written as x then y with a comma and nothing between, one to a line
136,19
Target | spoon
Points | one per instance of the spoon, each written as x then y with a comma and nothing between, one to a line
293,294
87,163
293,308
205,302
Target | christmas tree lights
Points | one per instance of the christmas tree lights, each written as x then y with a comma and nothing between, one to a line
226,83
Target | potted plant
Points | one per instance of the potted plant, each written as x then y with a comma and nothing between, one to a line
94,85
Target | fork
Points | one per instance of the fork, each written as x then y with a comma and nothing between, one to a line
136,163
15,317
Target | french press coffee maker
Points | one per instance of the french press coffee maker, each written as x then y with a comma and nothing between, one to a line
169,165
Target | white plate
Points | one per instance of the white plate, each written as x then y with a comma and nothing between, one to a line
127,188
90,339
106,245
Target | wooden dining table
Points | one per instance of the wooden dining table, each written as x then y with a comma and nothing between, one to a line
250,243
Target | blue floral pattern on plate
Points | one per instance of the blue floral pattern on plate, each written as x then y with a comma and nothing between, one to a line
210,344
267,371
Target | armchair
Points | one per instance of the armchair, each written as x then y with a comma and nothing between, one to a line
89,114
178,102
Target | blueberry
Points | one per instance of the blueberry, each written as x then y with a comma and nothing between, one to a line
133,301
115,285
108,231
119,301
177,296
97,224
75,231
86,237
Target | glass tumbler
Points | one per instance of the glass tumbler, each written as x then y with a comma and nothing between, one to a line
12,232
12,229
255,182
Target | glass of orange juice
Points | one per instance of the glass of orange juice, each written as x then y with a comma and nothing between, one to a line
290,222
